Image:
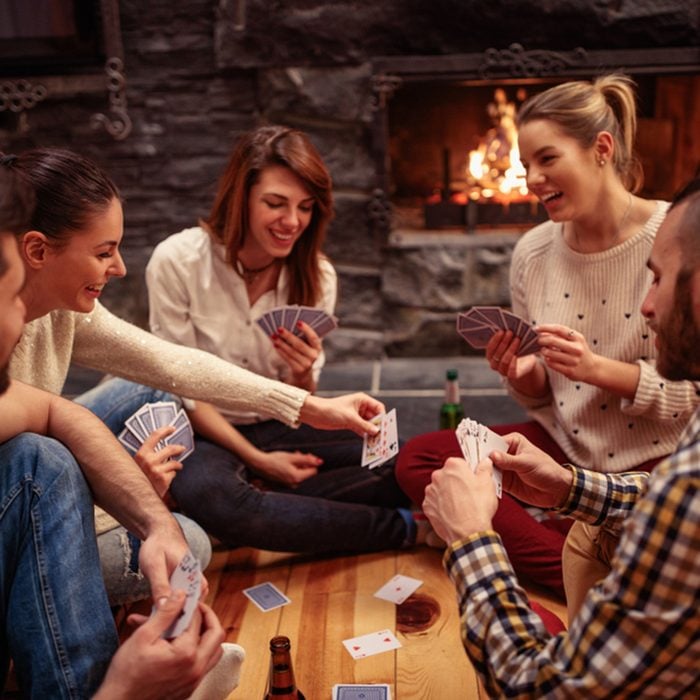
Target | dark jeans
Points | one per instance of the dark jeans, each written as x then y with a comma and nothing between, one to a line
343,508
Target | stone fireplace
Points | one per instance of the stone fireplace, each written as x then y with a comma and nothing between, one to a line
395,95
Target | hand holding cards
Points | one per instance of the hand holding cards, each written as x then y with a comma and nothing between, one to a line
289,316
156,415
381,447
186,577
478,442
478,325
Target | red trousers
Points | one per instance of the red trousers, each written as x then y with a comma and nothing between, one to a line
534,548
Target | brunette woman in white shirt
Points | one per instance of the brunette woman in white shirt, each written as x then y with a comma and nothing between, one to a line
260,248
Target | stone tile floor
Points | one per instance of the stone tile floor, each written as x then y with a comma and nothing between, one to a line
413,386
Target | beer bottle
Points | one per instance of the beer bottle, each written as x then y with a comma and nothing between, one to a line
451,411
280,683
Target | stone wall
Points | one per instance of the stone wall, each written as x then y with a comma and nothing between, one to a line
201,71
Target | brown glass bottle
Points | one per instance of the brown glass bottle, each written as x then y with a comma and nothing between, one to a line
280,683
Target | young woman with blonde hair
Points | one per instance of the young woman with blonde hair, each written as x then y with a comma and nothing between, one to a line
593,392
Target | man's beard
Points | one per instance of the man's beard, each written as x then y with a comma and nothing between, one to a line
4,379
679,337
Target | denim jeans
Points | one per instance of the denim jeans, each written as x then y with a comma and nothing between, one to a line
56,622
113,402
343,508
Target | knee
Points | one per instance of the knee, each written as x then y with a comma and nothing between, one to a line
42,458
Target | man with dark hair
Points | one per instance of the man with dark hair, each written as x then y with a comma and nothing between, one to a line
55,621
638,631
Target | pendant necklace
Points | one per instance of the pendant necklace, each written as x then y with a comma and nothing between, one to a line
250,274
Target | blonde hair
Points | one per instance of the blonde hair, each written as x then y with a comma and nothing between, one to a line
583,109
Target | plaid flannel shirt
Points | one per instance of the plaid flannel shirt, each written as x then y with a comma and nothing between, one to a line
638,632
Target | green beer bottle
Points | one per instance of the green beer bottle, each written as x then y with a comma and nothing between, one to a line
451,411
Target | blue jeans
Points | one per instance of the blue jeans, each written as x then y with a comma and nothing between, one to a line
343,508
56,622
113,402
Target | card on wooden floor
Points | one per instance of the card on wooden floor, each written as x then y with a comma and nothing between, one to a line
266,596
380,448
357,691
370,644
186,577
398,589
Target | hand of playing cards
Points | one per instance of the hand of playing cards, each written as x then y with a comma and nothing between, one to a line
477,442
288,317
156,415
478,325
380,448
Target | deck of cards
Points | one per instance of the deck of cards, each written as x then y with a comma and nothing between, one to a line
478,325
289,316
477,442
380,448
156,415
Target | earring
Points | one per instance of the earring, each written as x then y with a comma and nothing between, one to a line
601,162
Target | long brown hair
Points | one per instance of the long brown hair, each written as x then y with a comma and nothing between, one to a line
584,109
228,220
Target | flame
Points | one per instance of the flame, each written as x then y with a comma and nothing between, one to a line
494,168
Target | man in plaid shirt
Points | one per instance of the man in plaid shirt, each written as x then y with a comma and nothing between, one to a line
638,632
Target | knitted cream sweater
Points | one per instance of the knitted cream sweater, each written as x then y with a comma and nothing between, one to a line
99,340
600,295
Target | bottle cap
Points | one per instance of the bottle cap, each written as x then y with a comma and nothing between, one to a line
451,374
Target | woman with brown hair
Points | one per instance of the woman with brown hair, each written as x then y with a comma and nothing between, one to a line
260,248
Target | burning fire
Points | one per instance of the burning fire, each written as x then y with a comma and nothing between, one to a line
494,169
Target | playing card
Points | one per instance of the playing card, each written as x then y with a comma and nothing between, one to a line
380,448
478,337
266,596
477,442
370,644
528,343
491,314
136,426
398,589
129,440
186,577
465,322
163,413
511,322
144,416
184,437
354,691
488,442
324,324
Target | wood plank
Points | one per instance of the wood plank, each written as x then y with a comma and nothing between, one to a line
432,662
337,602
244,623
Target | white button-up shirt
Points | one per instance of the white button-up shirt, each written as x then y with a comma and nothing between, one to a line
197,299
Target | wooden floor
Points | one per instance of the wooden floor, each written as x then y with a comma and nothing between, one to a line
332,600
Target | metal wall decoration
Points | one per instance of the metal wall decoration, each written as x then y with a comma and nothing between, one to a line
516,62
118,124
18,96
21,95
